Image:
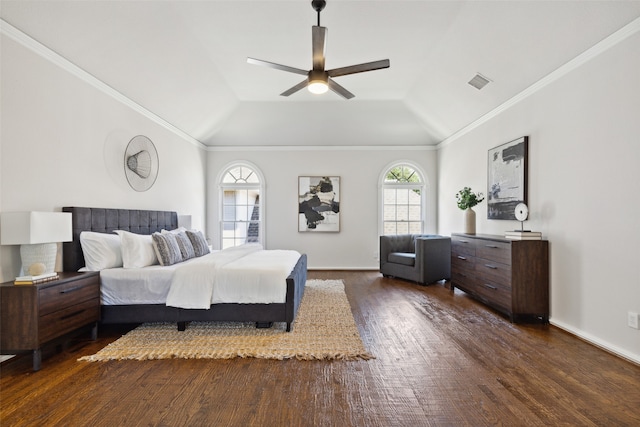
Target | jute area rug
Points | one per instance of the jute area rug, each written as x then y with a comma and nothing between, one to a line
323,330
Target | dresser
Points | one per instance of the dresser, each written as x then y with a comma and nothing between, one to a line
32,315
512,276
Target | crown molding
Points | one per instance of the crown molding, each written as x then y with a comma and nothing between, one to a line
604,45
48,54
221,148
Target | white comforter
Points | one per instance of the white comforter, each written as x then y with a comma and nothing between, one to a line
242,274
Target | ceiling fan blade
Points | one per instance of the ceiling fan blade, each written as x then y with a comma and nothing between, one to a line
339,89
319,36
360,68
277,66
296,88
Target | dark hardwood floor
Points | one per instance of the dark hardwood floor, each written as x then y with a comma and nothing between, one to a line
442,359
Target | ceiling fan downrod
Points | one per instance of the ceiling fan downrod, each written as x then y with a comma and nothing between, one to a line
318,5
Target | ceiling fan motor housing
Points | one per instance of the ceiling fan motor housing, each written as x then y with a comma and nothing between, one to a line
318,76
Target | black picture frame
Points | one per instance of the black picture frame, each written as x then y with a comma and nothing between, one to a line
507,171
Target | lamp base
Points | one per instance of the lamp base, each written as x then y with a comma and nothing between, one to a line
44,253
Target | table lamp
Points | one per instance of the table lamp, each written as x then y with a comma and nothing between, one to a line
184,221
38,234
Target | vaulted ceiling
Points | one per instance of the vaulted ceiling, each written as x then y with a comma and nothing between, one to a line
185,61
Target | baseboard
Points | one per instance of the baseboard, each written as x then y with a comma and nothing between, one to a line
344,268
606,346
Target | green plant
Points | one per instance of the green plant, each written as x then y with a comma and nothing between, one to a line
468,199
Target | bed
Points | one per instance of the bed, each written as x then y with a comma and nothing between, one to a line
147,222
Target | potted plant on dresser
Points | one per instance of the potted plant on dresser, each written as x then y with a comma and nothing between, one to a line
467,199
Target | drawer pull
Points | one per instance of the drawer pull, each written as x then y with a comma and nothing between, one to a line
463,241
492,246
491,286
493,267
66,291
75,313
462,258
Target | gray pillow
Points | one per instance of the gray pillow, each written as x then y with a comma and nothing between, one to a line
166,248
186,247
199,243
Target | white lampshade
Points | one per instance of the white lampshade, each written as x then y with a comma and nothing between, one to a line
38,233
184,221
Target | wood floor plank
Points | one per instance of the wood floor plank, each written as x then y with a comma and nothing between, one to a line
442,359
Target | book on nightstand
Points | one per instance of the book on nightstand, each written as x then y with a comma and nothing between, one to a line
32,280
523,235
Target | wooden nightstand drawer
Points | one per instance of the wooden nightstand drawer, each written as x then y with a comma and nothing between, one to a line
66,320
67,294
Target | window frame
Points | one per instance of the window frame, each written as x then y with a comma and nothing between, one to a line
222,187
421,185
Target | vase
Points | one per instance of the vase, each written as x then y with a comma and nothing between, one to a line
469,221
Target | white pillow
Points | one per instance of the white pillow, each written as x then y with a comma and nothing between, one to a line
137,249
175,230
100,250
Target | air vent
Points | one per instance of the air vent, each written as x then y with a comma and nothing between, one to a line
479,81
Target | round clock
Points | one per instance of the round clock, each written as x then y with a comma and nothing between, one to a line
521,213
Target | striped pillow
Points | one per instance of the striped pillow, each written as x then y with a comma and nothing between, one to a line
166,248
186,247
199,243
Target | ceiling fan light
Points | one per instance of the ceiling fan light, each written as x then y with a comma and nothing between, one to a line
318,87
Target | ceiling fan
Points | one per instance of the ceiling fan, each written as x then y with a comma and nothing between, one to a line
318,79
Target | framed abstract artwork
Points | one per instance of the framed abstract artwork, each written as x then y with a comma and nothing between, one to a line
507,178
319,203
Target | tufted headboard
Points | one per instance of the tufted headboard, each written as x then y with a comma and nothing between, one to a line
106,221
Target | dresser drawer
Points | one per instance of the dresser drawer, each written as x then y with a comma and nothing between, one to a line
66,320
494,251
67,294
462,245
463,275
494,272
494,293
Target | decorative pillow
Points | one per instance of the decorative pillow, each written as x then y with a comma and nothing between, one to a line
185,245
198,241
137,250
100,250
166,248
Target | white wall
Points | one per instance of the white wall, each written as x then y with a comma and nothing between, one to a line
63,141
584,182
359,170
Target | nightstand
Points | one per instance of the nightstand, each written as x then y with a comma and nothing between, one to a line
32,315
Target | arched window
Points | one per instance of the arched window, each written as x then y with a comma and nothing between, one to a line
241,218
403,200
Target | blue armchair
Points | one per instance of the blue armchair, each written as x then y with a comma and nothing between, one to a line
422,258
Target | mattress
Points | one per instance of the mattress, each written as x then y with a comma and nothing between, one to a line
257,277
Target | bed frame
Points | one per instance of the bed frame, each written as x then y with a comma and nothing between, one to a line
147,222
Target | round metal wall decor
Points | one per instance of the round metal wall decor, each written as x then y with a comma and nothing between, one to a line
141,163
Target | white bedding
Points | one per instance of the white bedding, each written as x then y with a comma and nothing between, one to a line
243,274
